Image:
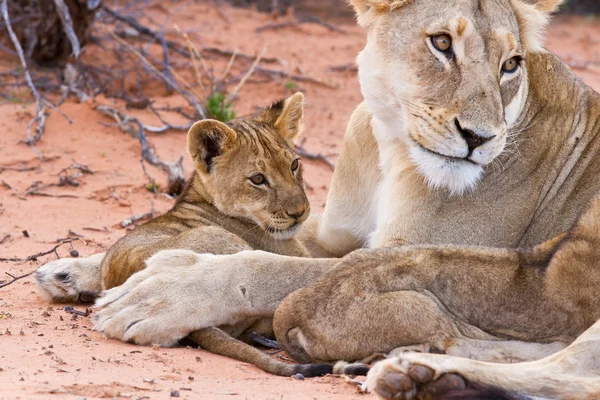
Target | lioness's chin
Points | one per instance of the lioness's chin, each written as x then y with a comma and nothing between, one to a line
458,176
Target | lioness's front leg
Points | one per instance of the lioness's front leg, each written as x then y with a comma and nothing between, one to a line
180,291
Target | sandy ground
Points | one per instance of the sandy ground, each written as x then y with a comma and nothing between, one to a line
45,352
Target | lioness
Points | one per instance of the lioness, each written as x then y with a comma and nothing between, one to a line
471,133
246,193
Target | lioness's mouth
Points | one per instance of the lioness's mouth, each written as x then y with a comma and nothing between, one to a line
435,153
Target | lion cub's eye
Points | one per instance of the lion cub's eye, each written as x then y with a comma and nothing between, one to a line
258,179
511,65
442,42
295,165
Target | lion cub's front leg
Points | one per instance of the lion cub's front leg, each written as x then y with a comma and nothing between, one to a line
71,280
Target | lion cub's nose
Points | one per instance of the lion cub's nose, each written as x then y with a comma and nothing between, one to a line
473,140
296,213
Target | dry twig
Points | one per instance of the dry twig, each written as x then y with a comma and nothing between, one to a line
246,75
313,156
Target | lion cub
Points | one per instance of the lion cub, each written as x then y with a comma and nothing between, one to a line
246,193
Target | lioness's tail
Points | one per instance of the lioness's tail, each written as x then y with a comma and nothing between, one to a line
218,342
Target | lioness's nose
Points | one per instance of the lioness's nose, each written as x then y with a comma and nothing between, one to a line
473,139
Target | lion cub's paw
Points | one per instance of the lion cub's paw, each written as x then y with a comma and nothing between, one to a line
71,280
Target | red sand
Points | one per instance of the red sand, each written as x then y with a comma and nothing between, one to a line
57,357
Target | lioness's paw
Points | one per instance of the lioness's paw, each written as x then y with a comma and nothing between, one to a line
71,280
166,301
399,378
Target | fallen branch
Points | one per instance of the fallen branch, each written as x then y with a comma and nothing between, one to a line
40,114
352,66
299,78
132,220
313,156
181,50
58,196
65,17
38,255
133,127
22,169
72,310
191,98
305,20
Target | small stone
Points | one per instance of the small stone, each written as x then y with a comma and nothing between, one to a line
175,393
74,253
191,378
299,377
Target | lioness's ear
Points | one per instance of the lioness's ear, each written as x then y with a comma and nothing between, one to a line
533,17
286,116
548,6
367,9
208,139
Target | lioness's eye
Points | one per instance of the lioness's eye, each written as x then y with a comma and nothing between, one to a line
258,179
295,165
442,43
511,65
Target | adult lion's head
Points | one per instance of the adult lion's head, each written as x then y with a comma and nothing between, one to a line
448,78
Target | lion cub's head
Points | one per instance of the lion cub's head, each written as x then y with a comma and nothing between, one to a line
449,78
249,169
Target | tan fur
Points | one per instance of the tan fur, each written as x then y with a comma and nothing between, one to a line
445,264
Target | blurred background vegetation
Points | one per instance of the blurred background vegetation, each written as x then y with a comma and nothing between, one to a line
338,9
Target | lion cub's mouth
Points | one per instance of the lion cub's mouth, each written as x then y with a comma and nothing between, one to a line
284,234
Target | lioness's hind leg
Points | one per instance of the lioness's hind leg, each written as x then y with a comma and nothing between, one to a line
572,373
71,280
498,351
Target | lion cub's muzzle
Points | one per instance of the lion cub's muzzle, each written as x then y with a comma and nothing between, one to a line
285,224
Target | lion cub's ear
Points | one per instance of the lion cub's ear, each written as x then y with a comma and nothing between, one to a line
533,17
286,116
208,139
